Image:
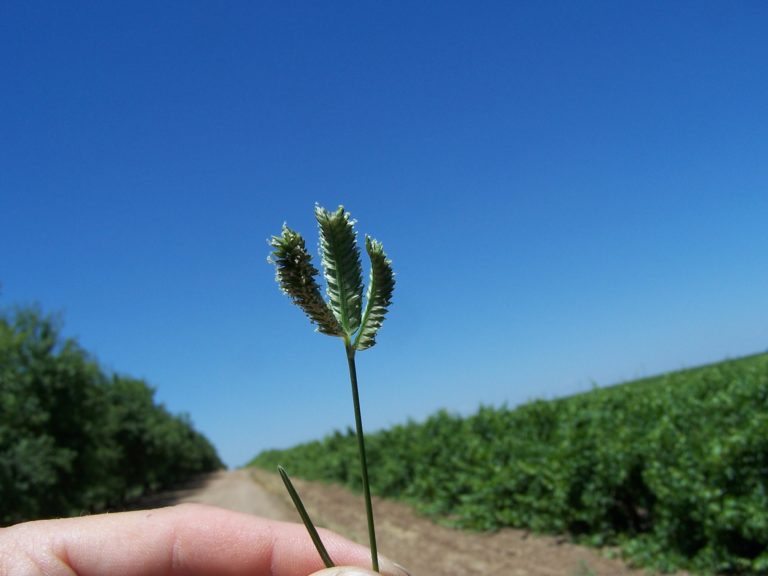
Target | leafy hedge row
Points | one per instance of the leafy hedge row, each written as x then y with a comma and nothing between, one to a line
673,469
74,438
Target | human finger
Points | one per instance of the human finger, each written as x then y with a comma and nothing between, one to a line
344,571
188,540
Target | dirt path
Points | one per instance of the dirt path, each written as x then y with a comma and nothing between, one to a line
423,547
235,490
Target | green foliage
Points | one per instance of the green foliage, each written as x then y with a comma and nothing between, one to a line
672,469
75,439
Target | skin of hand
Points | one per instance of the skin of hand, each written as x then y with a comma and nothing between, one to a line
345,571
184,540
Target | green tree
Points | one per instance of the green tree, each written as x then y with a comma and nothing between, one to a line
75,439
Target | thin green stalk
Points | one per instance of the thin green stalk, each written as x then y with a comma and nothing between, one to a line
340,314
363,462
305,518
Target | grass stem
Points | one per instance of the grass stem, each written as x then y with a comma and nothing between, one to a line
363,462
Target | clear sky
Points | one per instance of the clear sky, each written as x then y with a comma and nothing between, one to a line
571,193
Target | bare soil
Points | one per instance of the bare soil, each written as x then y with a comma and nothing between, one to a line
425,548
230,489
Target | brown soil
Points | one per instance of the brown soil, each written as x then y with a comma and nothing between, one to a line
234,490
425,548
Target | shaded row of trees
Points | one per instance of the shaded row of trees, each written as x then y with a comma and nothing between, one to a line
75,438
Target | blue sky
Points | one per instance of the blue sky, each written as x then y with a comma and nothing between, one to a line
571,193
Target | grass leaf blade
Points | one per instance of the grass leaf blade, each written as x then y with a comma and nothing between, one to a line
305,518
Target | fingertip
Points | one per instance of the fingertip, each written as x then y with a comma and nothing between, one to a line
401,569
388,568
345,571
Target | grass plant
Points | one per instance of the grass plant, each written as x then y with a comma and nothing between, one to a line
342,314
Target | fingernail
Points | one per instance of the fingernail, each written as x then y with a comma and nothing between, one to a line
346,572
390,568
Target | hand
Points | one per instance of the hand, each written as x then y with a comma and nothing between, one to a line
186,540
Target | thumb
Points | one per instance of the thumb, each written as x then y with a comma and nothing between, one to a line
345,571
394,570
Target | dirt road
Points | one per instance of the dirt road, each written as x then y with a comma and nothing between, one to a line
423,547
234,490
